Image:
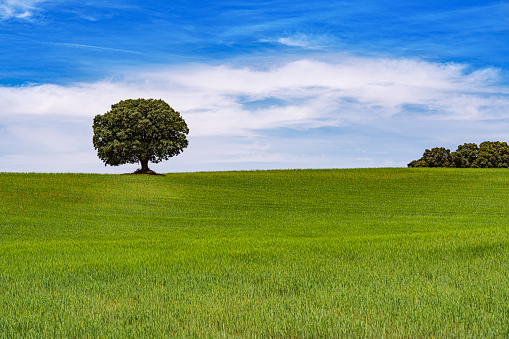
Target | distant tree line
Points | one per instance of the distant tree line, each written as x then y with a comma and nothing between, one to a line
489,154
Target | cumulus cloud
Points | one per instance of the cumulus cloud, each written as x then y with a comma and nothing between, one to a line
323,93
233,112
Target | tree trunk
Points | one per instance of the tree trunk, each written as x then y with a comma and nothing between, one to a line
144,165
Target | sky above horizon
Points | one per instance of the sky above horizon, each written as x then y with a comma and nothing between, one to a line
261,84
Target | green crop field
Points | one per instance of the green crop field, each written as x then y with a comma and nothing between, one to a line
299,253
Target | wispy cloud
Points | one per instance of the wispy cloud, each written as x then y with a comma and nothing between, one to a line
236,109
72,45
305,41
21,9
89,10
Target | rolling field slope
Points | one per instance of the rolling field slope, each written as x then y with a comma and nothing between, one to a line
298,253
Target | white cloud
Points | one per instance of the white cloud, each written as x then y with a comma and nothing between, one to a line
20,9
73,45
377,103
309,42
318,93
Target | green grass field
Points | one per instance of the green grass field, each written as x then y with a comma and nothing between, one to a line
301,253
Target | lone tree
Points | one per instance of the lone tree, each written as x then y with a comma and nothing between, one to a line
140,130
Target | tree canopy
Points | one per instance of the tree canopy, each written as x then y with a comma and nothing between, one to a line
139,131
489,154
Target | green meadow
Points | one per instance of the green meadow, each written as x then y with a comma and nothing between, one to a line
369,253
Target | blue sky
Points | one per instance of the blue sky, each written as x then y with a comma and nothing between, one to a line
262,84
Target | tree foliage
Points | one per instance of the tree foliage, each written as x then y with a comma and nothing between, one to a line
468,154
489,154
139,130
435,157
493,154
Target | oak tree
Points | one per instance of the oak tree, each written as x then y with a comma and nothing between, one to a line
435,157
139,131
489,154
492,154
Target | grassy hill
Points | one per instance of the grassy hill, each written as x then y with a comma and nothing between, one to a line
300,253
